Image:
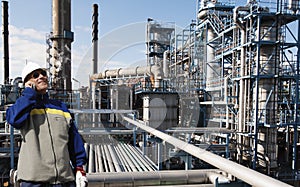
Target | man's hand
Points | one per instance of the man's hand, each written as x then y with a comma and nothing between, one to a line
81,179
30,84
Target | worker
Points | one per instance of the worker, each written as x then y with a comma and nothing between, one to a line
52,151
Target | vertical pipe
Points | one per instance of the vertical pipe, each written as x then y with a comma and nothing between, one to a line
227,146
144,142
5,41
95,60
166,64
226,79
12,150
95,39
134,137
210,67
242,74
255,94
296,117
159,156
241,113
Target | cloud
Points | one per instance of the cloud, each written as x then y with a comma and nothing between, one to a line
81,28
28,33
25,44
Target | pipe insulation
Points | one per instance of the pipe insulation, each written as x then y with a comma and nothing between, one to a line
159,177
248,175
137,71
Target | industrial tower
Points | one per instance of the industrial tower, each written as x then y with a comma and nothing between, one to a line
242,62
59,46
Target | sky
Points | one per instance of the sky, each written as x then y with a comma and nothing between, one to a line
121,32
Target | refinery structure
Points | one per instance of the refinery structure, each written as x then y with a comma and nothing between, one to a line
214,104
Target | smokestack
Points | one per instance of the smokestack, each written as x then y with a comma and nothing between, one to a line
95,38
62,37
5,41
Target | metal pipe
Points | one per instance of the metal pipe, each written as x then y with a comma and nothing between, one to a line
96,159
104,159
131,157
236,14
122,159
91,167
100,161
136,156
159,177
129,161
5,41
114,158
86,147
61,38
148,166
109,160
137,71
148,161
95,38
226,79
250,176
166,64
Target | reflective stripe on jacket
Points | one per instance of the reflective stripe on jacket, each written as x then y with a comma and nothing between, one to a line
50,140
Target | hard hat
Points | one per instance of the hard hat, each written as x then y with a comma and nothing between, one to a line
29,68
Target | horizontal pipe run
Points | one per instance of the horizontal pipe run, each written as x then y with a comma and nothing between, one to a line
204,176
248,175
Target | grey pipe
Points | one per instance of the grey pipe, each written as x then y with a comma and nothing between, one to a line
109,159
166,64
114,158
104,159
96,159
132,158
250,176
124,164
100,165
145,164
236,14
135,156
137,71
158,177
91,166
129,161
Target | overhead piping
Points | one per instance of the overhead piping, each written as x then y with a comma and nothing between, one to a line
248,175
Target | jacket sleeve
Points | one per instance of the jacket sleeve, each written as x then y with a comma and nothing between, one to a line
76,147
17,114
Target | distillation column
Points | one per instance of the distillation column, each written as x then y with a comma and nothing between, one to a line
264,94
61,37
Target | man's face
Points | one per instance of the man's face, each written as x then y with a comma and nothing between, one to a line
39,79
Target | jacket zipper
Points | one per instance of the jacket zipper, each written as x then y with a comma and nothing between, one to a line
52,146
